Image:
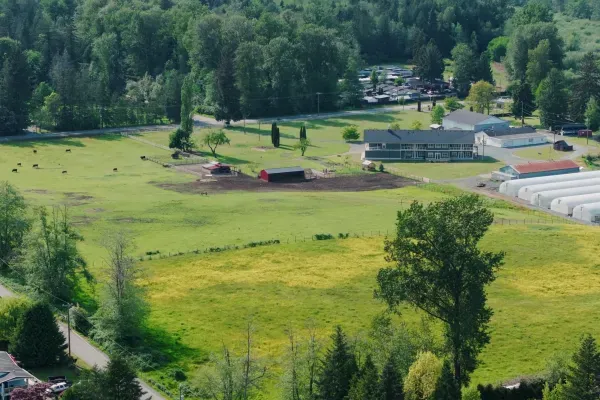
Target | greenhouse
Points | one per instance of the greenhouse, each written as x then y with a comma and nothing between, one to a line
526,192
511,188
544,199
565,205
588,212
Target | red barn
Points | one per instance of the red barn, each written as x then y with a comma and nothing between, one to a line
289,174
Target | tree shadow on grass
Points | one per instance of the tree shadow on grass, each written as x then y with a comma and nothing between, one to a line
46,143
165,348
372,118
109,137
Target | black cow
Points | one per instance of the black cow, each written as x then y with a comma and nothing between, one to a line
35,166
14,170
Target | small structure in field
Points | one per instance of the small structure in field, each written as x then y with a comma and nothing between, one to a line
215,167
369,165
289,174
539,169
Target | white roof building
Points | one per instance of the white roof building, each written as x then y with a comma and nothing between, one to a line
589,212
472,121
511,188
526,192
565,205
544,199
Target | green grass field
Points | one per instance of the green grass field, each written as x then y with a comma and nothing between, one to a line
544,297
580,35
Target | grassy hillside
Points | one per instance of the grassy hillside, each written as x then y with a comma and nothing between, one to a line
544,297
580,35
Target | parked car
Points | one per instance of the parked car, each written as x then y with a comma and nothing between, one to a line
480,184
58,388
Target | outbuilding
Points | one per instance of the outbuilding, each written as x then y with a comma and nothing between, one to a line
510,137
561,145
538,169
289,174
511,188
566,205
544,199
588,212
472,121
526,192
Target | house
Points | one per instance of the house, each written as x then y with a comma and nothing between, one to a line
561,145
472,121
289,174
12,376
510,137
537,169
433,145
382,98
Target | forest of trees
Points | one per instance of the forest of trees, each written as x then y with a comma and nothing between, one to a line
81,64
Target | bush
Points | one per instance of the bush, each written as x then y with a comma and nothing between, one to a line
381,168
527,390
178,374
343,235
351,133
323,236
151,253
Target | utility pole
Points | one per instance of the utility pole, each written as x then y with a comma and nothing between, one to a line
69,328
180,391
318,102
522,114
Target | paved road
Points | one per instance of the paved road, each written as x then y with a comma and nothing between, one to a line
83,350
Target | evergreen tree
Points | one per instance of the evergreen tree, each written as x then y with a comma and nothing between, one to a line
539,64
37,341
391,382
121,381
447,388
351,88
365,385
584,375
523,102
227,99
551,98
338,369
586,85
429,63
484,69
303,132
15,89
187,121
464,63
275,136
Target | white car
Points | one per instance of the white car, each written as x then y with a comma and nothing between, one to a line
57,388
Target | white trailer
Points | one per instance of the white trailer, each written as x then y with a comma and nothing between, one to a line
588,212
526,192
565,205
544,199
511,188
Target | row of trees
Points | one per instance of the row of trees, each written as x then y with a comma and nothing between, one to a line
535,61
65,66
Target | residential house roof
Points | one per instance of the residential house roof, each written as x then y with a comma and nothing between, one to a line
544,166
470,118
283,170
510,131
9,369
419,137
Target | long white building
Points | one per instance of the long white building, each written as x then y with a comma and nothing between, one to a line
526,192
511,188
544,199
565,205
589,212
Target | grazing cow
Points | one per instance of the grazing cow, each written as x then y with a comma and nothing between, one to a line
115,169
143,158
18,164
34,151
35,166
64,172
204,194
14,170
68,150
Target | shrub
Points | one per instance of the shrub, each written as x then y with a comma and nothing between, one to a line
79,320
381,168
343,235
323,236
350,132
178,374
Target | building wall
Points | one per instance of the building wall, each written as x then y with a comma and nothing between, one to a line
411,152
492,125
450,125
523,142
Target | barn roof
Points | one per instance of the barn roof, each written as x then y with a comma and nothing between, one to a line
544,166
470,118
283,170
419,137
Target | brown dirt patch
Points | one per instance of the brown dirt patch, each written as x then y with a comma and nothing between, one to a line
38,191
344,183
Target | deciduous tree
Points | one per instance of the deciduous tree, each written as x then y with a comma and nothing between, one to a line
440,270
422,378
585,86
465,63
11,309
481,96
592,114
215,138
452,104
181,139
14,224
437,114
350,132
302,145
539,64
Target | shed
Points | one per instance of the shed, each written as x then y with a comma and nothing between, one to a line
565,205
217,168
589,212
538,169
472,121
289,174
369,165
544,199
511,188
526,192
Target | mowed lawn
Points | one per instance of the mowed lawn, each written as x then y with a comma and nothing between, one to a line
546,295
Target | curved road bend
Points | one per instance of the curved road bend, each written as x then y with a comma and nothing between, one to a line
83,350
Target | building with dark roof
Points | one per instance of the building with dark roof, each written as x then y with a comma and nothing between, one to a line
289,174
536,169
510,137
472,121
12,376
432,145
